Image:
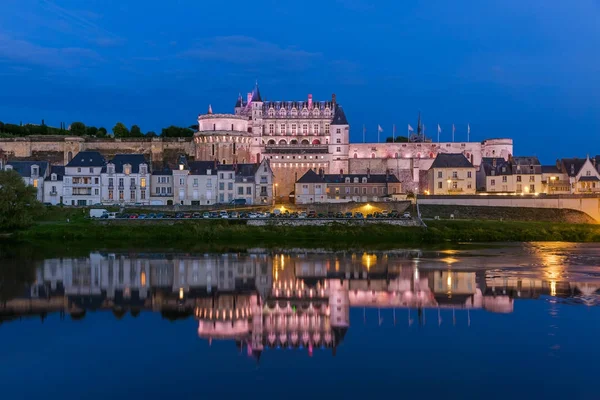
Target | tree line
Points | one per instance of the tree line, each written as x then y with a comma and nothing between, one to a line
78,128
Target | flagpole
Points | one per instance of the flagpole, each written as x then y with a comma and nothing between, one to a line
468,132
393,133
378,134
364,132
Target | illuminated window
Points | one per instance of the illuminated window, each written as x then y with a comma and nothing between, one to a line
143,182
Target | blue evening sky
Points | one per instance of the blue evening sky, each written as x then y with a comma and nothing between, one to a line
529,70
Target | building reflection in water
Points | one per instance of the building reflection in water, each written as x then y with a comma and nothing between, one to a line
263,301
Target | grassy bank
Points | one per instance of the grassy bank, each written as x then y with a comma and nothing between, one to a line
235,234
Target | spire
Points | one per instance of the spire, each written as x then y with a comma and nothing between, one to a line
339,117
256,93
419,124
239,101
209,109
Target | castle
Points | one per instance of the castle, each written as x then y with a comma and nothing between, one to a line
294,136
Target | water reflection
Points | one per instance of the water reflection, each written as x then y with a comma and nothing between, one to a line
283,300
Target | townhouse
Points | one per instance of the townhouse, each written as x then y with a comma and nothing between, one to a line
451,174
126,180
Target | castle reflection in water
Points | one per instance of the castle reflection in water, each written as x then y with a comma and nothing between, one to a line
271,300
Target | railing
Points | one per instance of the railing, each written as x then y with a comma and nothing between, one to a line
455,190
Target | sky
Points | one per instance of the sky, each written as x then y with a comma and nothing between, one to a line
529,70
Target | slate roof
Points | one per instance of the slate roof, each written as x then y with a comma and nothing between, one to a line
23,168
201,167
132,159
339,117
312,177
487,163
87,159
256,93
451,161
242,169
161,170
589,179
526,165
58,170
572,166
550,169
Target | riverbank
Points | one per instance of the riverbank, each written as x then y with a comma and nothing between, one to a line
233,233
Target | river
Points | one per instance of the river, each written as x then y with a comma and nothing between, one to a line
510,321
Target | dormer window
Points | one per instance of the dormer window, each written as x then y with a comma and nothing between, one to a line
294,112
364,180
111,168
181,167
282,112
347,180
305,112
327,112
208,172
127,169
53,177
355,180
143,169
35,170
271,112
316,112
503,169
588,173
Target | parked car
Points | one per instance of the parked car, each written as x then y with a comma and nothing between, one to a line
252,215
142,216
359,215
234,214
348,215
330,214
205,214
179,215
187,215
214,214
133,216
160,215
406,215
223,214
196,215
339,215
152,215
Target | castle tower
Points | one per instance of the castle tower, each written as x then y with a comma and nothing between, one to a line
223,138
339,145
256,109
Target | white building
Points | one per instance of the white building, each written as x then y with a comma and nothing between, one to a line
53,186
32,172
161,187
81,182
126,180
250,182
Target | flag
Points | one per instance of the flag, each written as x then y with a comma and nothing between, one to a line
410,128
439,129
468,128
379,128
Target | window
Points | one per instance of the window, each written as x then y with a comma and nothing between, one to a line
355,190
110,194
316,129
143,182
230,186
519,188
374,190
157,190
229,197
493,182
231,175
327,129
78,169
110,182
91,170
439,185
338,149
221,185
240,190
338,130
121,184
305,129
132,182
364,190
132,195
454,185
531,188
293,129
143,194
504,179
221,197
338,140
271,129
439,174
588,173
454,174
196,182
35,183
282,129
532,178
126,169
221,175
468,174
181,182
347,190
249,190
518,178
169,189
209,182
96,181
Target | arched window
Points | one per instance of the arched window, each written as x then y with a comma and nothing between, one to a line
70,156
430,155
493,152
304,141
224,162
355,155
271,141
293,141
372,155
282,141
316,141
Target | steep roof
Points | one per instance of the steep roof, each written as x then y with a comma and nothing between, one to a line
339,117
87,159
256,93
58,170
526,165
572,166
23,168
201,167
312,177
550,169
496,166
444,160
242,169
132,159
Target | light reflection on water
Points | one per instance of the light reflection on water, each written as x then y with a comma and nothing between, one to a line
314,302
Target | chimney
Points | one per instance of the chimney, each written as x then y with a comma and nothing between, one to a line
368,173
310,102
321,172
333,99
494,162
387,174
249,98
215,164
341,173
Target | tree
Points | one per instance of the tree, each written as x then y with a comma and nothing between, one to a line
91,131
120,130
135,131
78,128
101,132
18,202
399,139
1,126
151,134
176,131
